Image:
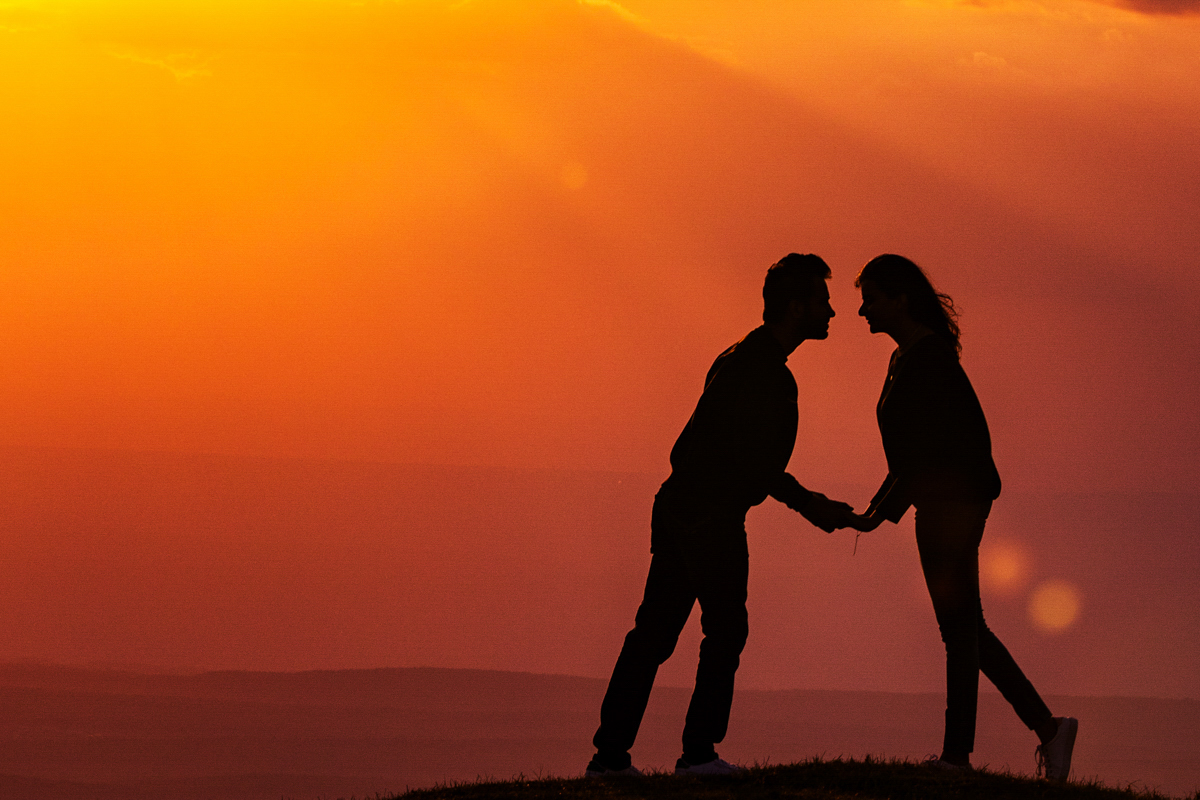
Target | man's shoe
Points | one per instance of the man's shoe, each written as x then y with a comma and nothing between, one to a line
718,766
597,770
1054,757
936,762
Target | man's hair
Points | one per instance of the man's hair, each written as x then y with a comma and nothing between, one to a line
793,277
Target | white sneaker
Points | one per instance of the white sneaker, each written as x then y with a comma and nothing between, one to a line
936,762
1054,757
597,770
718,766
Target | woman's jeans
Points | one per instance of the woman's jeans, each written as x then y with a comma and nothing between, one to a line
948,536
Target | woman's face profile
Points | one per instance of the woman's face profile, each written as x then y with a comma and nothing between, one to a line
882,313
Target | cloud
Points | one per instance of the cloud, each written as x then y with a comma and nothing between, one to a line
703,45
1175,7
984,60
183,66
15,19
617,8
1167,7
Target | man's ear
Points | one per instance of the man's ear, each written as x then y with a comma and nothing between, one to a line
796,308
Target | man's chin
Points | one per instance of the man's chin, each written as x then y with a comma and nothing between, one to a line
821,334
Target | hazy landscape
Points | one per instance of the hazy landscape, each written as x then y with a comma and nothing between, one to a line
300,569
347,335
194,562
83,734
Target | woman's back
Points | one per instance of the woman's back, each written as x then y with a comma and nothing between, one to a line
935,435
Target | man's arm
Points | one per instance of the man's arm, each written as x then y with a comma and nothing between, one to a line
888,503
826,514
788,491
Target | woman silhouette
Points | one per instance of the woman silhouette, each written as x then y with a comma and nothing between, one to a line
939,457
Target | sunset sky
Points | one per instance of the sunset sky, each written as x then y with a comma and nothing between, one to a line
513,234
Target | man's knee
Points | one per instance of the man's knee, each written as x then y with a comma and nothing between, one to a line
654,642
959,636
726,631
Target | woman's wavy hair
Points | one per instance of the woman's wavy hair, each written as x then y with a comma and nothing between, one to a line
897,275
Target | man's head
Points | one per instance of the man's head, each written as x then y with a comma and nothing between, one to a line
795,295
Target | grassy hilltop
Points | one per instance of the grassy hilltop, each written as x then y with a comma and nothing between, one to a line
811,780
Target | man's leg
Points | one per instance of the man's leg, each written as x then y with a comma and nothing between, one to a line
665,607
719,570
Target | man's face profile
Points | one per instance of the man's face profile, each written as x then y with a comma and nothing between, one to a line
815,311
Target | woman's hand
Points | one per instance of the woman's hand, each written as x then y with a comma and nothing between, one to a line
826,514
864,522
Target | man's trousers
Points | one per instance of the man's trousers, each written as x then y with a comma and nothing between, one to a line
696,558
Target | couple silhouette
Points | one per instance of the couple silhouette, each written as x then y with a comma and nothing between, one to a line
733,453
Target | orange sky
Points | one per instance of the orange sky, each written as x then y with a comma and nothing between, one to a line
514,233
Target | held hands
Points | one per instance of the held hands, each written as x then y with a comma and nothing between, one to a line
864,522
828,515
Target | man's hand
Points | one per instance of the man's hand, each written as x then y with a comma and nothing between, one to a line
826,514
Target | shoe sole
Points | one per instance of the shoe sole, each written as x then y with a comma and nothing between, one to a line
1071,728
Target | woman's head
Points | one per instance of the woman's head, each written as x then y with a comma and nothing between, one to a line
899,279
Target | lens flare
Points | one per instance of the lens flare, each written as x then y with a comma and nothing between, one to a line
1054,606
1003,566
574,176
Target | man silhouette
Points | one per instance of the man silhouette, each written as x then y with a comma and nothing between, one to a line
732,454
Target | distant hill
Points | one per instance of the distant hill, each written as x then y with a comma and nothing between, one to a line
206,562
72,733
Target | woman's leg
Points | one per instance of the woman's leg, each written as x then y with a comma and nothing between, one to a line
1001,669
948,535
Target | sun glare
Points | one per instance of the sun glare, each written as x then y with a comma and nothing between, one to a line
1054,606
574,176
1003,567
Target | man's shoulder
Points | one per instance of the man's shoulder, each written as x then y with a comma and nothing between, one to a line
757,345
738,351
754,361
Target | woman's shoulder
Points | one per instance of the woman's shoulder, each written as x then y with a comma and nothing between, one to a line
932,349
932,358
